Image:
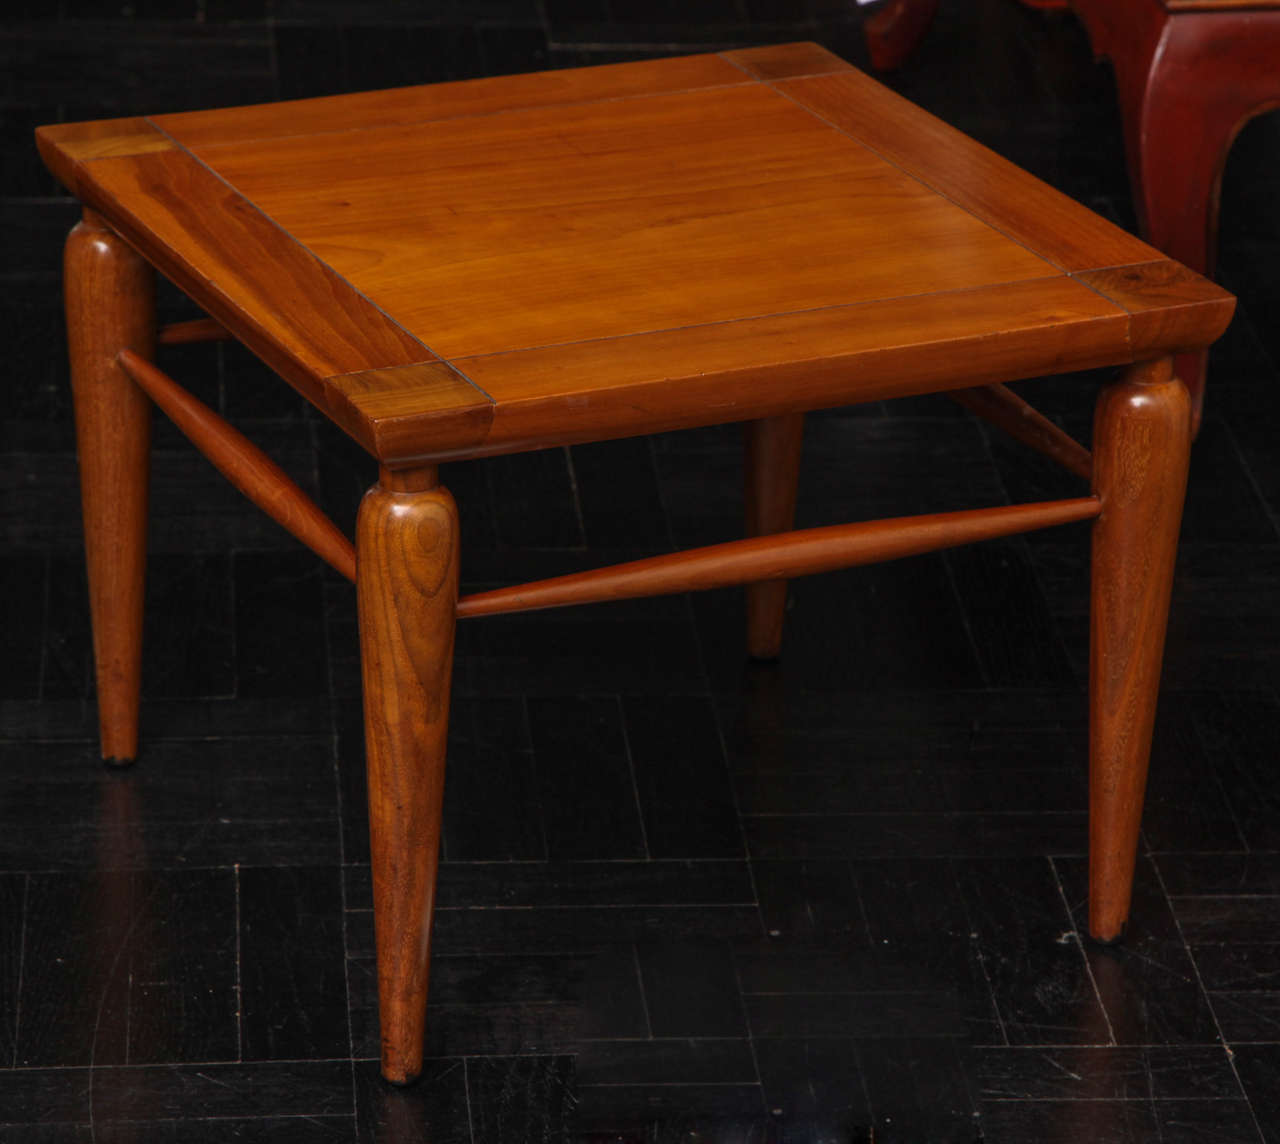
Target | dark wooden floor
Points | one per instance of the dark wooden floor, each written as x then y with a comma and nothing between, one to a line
835,899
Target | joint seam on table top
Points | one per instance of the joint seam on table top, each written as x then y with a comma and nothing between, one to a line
1128,335
1120,312
749,82
321,262
769,83
910,174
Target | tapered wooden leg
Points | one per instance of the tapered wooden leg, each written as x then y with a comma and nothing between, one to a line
773,447
1142,436
406,589
110,300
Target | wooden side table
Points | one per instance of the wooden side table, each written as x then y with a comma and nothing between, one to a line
470,269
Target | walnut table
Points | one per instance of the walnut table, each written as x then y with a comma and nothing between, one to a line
469,269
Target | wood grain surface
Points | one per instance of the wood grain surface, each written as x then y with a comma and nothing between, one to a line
407,559
772,558
610,251
110,300
1142,440
246,466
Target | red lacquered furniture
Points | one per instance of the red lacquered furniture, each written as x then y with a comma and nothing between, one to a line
1189,74
469,269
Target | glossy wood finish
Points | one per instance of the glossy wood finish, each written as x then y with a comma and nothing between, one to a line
406,588
246,466
197,330
1006,410
563,257
769,558
110,300
771,466
1212,64
532,261
1142,439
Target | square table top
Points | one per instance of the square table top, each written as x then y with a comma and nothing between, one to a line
493,265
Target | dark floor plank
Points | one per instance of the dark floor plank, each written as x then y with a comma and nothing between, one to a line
520,1098
294,1003
586,788
807,897
1030,954
75,986
919,926
1219,875
535,503
683,1060
814,1088
491,799
635,647
619,496
1067,1121
280,641
683,785
253,1130
1015,835
260,1088
207,802
183,1004
1013,632
522,885
22,617
188,636
1259,1069
13,895
431,1111
691,990
919,1090
35,1096
1147,982
509,1003
1241,737
901,627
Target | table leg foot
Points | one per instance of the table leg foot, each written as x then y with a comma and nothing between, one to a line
1142,438
773,448
110,302
406,588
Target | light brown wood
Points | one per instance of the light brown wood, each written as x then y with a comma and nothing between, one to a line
798,361
567,252
1168,304
471,269
390,411
65,146
614,218
1012,201
1022,421
110,300
1142,439
197,330
246,466
779,557
784,61
406,589
465,99
237,264
772,471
